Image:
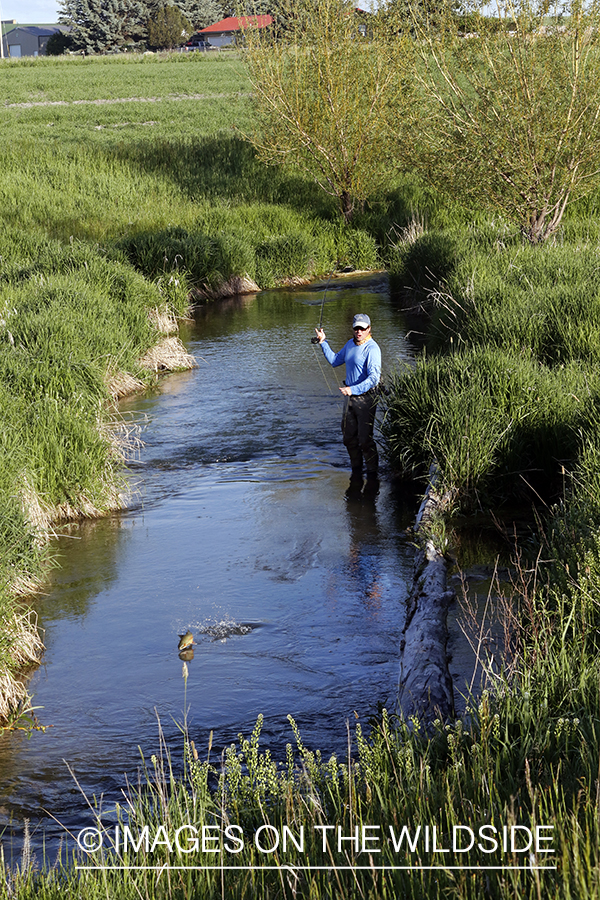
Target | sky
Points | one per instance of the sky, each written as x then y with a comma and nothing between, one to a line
30,12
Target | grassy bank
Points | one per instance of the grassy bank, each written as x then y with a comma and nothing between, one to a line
74,330
507,386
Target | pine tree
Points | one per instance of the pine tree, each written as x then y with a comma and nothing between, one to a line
59,43
101,25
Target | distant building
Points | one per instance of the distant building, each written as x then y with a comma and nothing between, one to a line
27,40
227,30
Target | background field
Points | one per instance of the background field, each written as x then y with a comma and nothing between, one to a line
166,148
69,79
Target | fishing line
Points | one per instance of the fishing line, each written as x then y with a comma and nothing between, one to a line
319,359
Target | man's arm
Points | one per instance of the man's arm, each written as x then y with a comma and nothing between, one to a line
335,359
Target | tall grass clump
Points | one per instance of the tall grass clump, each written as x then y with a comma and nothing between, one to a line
508,385
70,319
494,422
546,304
422,258
257,248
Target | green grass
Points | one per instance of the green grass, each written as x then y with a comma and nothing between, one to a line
545,304
518,758
505,400
68,79
498,424
114,171
506,391
70,318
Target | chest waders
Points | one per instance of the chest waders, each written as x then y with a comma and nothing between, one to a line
358,421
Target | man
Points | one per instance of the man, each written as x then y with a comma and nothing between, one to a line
362,357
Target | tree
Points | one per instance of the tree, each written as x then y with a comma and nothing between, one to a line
245,7
101,25
58,43
200,13
514,118
325,96
167,29
409,15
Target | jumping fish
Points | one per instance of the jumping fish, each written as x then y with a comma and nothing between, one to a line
185,641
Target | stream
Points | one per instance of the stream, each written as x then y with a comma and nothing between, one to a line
239,529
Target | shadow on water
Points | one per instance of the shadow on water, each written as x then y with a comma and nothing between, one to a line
240,531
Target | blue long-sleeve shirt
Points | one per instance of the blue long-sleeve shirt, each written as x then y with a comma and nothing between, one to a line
363,363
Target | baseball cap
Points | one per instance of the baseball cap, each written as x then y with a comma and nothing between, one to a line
361,321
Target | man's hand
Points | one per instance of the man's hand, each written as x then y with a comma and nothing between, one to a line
346,391
320,335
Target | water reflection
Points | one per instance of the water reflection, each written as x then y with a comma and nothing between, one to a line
88,556
365,539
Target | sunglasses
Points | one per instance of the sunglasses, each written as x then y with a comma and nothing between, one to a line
359,328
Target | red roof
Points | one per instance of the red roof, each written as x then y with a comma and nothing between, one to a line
237,23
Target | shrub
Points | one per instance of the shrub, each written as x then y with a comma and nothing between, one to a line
487,417
58,43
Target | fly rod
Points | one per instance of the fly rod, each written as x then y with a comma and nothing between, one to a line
315,339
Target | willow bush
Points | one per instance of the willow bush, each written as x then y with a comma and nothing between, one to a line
509,114
328,79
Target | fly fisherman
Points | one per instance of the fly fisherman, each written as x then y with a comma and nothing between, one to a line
363,371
